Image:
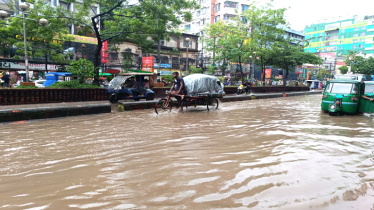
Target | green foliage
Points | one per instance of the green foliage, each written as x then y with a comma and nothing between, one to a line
211,70
195,70
322,73
82,68
343,69
43,42
168,78
26,87
71,84
109,78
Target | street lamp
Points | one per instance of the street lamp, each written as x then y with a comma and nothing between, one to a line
43,22
188,45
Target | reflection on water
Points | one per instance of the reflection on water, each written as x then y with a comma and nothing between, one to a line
267,154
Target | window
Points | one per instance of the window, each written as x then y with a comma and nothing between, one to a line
203,10
244,7
216,19
230,4
363,28
342,36
343,31
357,29
341,42
162,42
363,34
54,3
187,27
216,7
198,13
320,34
361,46
228,17
340,48
334,48
202,22
362,40
354,46
355,35
244,20
342,88
320,39
319,45
64,5
186,44
369,89
355,40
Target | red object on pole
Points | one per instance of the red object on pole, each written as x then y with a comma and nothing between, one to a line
104,52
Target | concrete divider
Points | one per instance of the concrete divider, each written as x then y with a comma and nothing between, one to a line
129,106
10,115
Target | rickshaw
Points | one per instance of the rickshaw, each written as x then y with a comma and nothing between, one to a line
367,100
118,91
202,90
342,95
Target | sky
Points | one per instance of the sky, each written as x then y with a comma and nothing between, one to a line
304,12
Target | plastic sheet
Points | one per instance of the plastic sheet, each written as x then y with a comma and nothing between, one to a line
117,81
201,84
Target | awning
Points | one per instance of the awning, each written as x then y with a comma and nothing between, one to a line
112,71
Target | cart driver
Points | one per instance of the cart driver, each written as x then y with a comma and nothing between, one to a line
178,89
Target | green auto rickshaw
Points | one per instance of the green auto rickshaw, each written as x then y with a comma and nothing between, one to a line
342,95
367,100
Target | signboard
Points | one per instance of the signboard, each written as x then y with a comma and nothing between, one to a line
163,65
22,66
147,64
104,52
163,73
305,73
267,73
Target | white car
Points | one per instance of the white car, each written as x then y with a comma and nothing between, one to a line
39,83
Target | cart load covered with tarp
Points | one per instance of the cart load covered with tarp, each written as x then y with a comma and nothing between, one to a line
201,84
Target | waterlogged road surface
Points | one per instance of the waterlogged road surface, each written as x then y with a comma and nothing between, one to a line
268,154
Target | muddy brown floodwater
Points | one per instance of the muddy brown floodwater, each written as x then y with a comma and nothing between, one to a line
279,153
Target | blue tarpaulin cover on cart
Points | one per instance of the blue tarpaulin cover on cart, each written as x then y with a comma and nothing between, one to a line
197,84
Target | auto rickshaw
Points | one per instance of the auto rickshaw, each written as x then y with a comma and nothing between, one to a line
343,95
367,100
120,92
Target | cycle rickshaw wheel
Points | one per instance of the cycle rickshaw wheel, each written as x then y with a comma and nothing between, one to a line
160,106
212,104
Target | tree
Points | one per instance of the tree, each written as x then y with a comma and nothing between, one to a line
264,22
82,68
343,69
322,73
212,34
121,21
44,42
287,56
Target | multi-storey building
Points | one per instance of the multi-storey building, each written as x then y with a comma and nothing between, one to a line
341,36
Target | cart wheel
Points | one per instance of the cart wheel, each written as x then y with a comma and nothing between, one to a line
113,99
213,105
160,106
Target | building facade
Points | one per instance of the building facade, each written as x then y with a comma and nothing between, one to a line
341,36
173,55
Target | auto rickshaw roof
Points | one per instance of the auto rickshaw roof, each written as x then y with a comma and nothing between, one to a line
369,82
344,81
137,72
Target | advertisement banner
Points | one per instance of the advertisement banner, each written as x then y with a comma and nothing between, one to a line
104,52
163,73
163,65
307,76
147,64
267,73
304,73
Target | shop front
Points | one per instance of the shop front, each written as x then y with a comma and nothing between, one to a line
18,69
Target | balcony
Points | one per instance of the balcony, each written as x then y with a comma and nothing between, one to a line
332,32
329,38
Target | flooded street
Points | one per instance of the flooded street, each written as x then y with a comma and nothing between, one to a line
281,153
